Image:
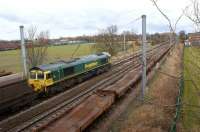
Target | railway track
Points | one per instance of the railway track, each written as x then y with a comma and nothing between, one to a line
16,95
13,84
84,91
4,73
66,106
14,90
60,98
85,113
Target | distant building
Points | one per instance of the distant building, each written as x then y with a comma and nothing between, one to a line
59,41
9,45
194,38
187,43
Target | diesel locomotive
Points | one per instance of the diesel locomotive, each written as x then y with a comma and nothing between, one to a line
62,74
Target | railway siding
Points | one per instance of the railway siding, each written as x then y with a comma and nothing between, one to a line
121,86
12,122
86,112
50,105
14,89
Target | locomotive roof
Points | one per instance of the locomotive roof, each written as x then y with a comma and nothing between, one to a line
68,63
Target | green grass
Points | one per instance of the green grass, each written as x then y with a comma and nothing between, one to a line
11,60
66,51
191,114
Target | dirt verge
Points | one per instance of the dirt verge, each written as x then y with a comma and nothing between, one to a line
156,113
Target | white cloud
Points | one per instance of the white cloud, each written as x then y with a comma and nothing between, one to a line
77,17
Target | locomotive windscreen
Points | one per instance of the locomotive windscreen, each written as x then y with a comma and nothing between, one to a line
33,75
40,75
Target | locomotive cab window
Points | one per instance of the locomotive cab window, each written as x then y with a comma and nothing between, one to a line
48,76
33,75
40,75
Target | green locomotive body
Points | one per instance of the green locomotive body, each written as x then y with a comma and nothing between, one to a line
66,73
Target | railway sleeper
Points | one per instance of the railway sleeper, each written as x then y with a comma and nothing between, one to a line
85,113
15,105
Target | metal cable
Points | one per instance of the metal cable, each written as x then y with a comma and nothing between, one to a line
131,22
75,50
169,75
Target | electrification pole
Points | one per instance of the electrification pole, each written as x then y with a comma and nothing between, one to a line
143,56
124,41
177,39
23,51
170,37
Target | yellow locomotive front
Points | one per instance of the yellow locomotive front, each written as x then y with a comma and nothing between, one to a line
40,80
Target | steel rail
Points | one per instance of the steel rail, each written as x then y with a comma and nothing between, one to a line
63,108
106,80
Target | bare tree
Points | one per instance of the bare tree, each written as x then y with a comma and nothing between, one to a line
172,27
106,40
193,13
157,38
182,36
37,46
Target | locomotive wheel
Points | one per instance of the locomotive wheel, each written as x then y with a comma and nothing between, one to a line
70,83
79,79
98,71
47,92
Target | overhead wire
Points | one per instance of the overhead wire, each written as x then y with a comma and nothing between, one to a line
120,26
169,75
130,22
76,49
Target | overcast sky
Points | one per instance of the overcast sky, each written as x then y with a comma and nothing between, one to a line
78,17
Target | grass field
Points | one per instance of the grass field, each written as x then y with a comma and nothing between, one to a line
191,112
11,60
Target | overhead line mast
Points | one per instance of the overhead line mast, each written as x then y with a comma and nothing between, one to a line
144,78
23,50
